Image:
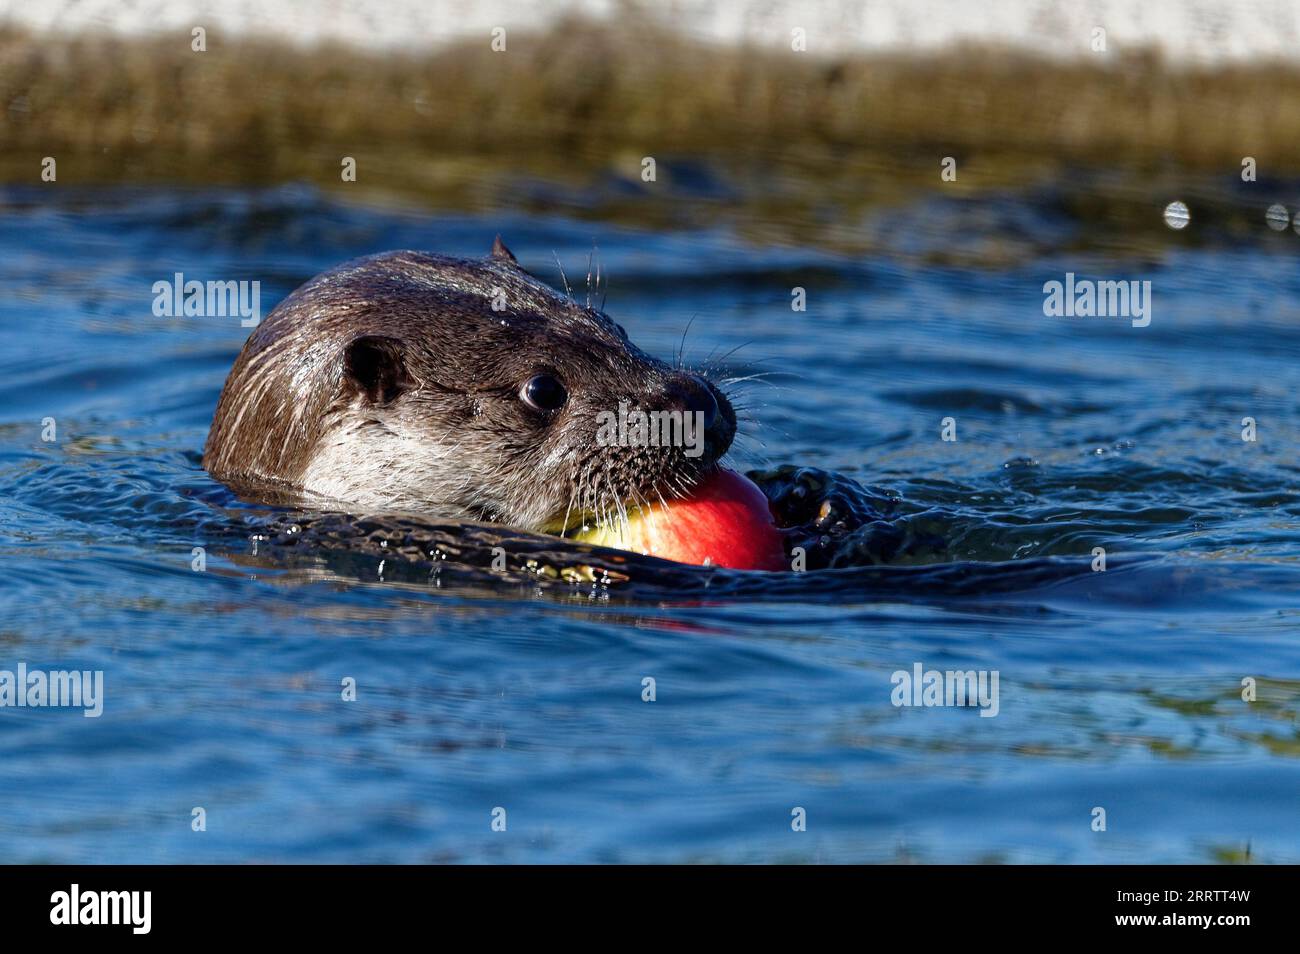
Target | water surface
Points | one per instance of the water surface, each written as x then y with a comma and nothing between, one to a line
1118,689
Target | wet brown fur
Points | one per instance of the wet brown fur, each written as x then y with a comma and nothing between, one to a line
392,383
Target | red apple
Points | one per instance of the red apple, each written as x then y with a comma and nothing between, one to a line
724,522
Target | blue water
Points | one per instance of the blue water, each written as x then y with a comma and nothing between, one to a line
1119,690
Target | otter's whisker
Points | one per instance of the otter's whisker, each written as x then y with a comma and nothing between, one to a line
681,348
564,279
590,256
604,294
761,377
564,526
707,361
619,508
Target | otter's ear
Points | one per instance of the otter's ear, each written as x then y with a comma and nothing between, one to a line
376,368
500,251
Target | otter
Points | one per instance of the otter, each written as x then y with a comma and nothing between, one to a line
417,383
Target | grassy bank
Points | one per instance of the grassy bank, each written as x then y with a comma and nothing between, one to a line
588,92
582,104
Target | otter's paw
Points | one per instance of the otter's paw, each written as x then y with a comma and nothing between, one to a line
813,499
836,522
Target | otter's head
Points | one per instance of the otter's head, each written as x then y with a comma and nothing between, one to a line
413,382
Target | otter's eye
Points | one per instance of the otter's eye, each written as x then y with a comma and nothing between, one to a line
544,392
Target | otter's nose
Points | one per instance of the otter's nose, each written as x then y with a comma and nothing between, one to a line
697,397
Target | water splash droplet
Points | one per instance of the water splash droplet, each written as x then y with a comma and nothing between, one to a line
1177,215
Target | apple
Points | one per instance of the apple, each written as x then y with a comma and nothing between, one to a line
725,521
